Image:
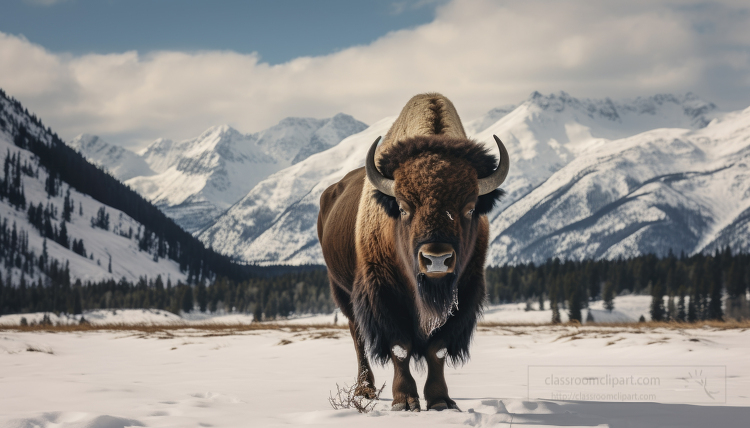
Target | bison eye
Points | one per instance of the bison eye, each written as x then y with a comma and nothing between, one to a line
470,213
403,212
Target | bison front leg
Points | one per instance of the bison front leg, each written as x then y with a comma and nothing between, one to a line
435,388
365,378
405,395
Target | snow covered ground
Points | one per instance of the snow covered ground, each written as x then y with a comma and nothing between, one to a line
627,309
198,378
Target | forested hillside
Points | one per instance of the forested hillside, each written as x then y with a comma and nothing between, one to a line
63,168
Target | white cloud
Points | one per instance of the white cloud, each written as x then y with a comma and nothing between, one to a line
480,53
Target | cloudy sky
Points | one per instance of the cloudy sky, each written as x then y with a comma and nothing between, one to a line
135,70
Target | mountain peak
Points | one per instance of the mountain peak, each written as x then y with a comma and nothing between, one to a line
83,141
120,162
691,106
220,131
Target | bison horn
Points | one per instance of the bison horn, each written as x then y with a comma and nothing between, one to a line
494,180
385,185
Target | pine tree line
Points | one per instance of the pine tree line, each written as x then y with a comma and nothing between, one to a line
266,298
693,286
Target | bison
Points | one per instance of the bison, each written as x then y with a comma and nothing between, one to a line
405,239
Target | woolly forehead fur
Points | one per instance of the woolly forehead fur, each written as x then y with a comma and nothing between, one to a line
436,167
463,152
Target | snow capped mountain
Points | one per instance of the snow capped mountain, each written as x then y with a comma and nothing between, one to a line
545,133
665,189
199,178
195,180
295,139
121,163
276,221
570,158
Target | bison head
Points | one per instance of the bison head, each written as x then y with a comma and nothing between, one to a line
436,188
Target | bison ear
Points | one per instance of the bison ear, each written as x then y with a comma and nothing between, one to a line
486,203
388,203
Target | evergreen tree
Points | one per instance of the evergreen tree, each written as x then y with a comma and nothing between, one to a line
575,303
101,220
257,312
67,206
160,293
77,306
609,296
692,315
594,283
657,302
736,286
272,307
737,306
187,299
714,310
43,259
50,185
62,237
202,296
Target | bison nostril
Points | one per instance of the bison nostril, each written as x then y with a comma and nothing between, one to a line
437,263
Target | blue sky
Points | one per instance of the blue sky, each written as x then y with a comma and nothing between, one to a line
279,30
136,70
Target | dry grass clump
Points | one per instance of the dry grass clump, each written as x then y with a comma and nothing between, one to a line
31,348
346,397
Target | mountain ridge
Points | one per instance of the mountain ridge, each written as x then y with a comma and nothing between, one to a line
275,222
197,179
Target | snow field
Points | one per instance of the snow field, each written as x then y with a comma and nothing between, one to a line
192,378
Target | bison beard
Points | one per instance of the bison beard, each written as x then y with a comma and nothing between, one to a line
437,299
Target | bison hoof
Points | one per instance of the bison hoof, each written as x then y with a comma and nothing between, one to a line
441,405
366,391
412,403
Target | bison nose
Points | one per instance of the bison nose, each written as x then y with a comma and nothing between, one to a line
436,259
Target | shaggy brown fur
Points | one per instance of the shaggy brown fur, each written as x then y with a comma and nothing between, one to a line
371,243
424,114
